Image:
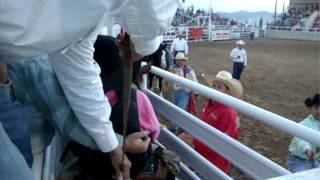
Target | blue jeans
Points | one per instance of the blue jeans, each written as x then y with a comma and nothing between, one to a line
14,141
15,124
181,98
296,164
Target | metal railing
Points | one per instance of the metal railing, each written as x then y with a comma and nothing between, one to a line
302,29
241,156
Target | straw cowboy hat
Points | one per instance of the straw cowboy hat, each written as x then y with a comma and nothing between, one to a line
181,56
241,42
235,86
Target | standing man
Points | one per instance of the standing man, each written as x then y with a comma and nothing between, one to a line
179,45
116,29
239,58
68,40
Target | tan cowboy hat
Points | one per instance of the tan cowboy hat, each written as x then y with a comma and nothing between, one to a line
241,42
225,77
181,56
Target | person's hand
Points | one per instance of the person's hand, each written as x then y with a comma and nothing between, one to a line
145,69
3,73
195,96
137,142
116,158
171,69
310,153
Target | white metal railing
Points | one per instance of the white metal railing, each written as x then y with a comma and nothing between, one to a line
302,29
207,35
241,156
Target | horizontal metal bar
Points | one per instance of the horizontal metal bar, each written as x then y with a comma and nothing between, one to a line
258,113
186,173
199,163
311,174
241,156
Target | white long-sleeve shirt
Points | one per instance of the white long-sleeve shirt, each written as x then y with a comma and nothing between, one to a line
239,55
179,45
191,75
66,30
116,29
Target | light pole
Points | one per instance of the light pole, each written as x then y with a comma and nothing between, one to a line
209,26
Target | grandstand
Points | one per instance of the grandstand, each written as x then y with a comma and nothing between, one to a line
300,21
300,14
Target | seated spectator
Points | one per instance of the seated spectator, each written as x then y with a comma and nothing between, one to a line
302,154
221,117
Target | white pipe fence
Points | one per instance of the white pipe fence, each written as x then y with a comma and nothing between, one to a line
241,156
258,113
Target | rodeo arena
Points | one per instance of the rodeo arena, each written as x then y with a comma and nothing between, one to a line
157,90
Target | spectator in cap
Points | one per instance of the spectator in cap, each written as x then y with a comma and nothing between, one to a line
239,58
302,154
220,116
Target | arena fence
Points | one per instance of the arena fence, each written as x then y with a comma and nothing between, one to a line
196,33
302,29
244,158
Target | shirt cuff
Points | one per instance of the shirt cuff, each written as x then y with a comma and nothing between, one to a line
107,142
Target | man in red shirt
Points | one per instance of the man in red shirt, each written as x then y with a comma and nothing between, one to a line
220,116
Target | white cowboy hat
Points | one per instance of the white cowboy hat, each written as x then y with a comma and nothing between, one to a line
241,42
225,77
181,56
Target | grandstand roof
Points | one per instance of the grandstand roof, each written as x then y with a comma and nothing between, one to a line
299,2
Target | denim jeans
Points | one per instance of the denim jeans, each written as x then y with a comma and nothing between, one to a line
14,122
180,98
15,148
296,164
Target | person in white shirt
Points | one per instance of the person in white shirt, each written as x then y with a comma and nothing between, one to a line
116,30
239,58
179,45
66,31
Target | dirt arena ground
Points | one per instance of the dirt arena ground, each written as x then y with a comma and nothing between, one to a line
279,76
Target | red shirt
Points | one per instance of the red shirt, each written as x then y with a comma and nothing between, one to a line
226,120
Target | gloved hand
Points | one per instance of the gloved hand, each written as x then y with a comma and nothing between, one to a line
137,142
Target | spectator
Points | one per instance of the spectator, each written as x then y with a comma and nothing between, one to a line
116,29
50,104
239,58
68,39
161,59
221,117
179,45
304,155
180,94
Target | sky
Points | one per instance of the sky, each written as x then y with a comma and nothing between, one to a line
237,5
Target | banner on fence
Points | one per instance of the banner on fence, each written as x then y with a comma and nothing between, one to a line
168,36
234,35
220,35
195,33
